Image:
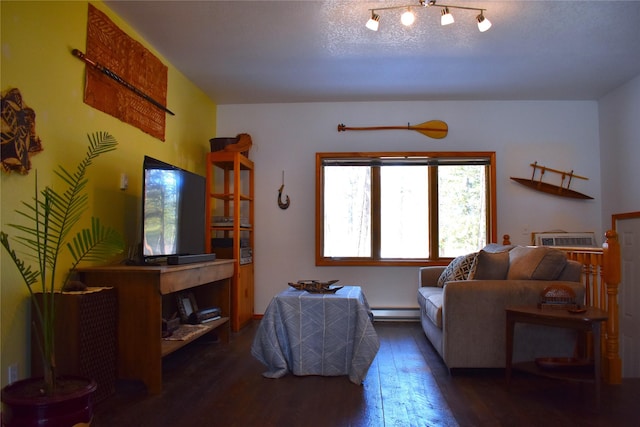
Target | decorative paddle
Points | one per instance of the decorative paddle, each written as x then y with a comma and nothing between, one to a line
436,129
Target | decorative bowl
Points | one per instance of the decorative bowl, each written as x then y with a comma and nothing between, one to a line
315,286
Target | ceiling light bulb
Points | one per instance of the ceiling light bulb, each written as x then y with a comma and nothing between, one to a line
373,22
407,18
483,23
447,17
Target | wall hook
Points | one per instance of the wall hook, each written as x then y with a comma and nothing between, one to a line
281,204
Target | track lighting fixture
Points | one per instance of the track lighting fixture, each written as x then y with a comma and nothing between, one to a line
407,18
373,22
483,23
446,17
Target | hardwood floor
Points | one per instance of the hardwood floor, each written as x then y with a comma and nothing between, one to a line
210,384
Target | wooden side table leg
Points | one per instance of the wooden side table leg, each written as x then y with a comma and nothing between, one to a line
595,327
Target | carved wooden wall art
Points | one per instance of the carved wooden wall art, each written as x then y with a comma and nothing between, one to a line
562,190
114,49
19,139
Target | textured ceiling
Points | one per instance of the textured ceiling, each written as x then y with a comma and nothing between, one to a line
319,51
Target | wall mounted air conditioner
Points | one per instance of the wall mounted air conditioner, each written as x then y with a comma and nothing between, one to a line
565,239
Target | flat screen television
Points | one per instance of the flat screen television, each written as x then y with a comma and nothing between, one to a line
173,211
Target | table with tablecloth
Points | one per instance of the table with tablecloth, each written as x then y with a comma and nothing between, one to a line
328,334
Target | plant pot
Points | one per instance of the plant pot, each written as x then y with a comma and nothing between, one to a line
85,331
24,405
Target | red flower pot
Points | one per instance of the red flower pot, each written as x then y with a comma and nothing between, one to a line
24,403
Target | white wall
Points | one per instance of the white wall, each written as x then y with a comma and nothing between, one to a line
560,135
620,150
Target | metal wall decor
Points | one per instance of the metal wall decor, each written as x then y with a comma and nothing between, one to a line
281,204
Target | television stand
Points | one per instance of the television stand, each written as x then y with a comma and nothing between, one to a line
190,259
141,291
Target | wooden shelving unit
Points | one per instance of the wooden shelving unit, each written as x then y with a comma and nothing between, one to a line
169,346
230,225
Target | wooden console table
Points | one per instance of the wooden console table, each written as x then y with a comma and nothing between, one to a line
590,320
144,298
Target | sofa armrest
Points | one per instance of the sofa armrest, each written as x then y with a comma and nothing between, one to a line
428,276
474,319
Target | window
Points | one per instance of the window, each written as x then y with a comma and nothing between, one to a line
403,208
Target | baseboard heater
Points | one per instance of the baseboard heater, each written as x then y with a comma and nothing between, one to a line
396,314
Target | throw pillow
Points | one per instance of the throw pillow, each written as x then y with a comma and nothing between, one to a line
458,269
535,263
495,247
490,266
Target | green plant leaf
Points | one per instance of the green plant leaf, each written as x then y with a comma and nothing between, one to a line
95,243
29,276
51,217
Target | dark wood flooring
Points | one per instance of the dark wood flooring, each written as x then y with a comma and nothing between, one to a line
212,384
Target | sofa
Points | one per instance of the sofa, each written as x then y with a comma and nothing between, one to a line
462,305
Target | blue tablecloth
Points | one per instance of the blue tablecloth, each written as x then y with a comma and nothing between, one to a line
317,334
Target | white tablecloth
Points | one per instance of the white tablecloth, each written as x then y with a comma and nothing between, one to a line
317,334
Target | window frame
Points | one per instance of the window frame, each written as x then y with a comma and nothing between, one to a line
374,260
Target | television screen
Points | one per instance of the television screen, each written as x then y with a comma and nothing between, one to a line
173,206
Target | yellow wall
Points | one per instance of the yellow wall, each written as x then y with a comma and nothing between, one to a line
37,38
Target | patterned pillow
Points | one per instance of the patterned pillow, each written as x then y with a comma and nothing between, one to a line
458,269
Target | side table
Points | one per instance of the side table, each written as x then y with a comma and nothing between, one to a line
590,320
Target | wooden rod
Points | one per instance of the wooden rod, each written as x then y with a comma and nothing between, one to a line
544,168
107,72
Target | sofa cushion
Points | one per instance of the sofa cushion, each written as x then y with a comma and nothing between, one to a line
535,263
572,272
458,269
496,247
432,304
490,266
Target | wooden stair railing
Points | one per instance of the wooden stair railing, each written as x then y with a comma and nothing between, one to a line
601,277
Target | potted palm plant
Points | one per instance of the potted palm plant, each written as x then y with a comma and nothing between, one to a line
50,219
